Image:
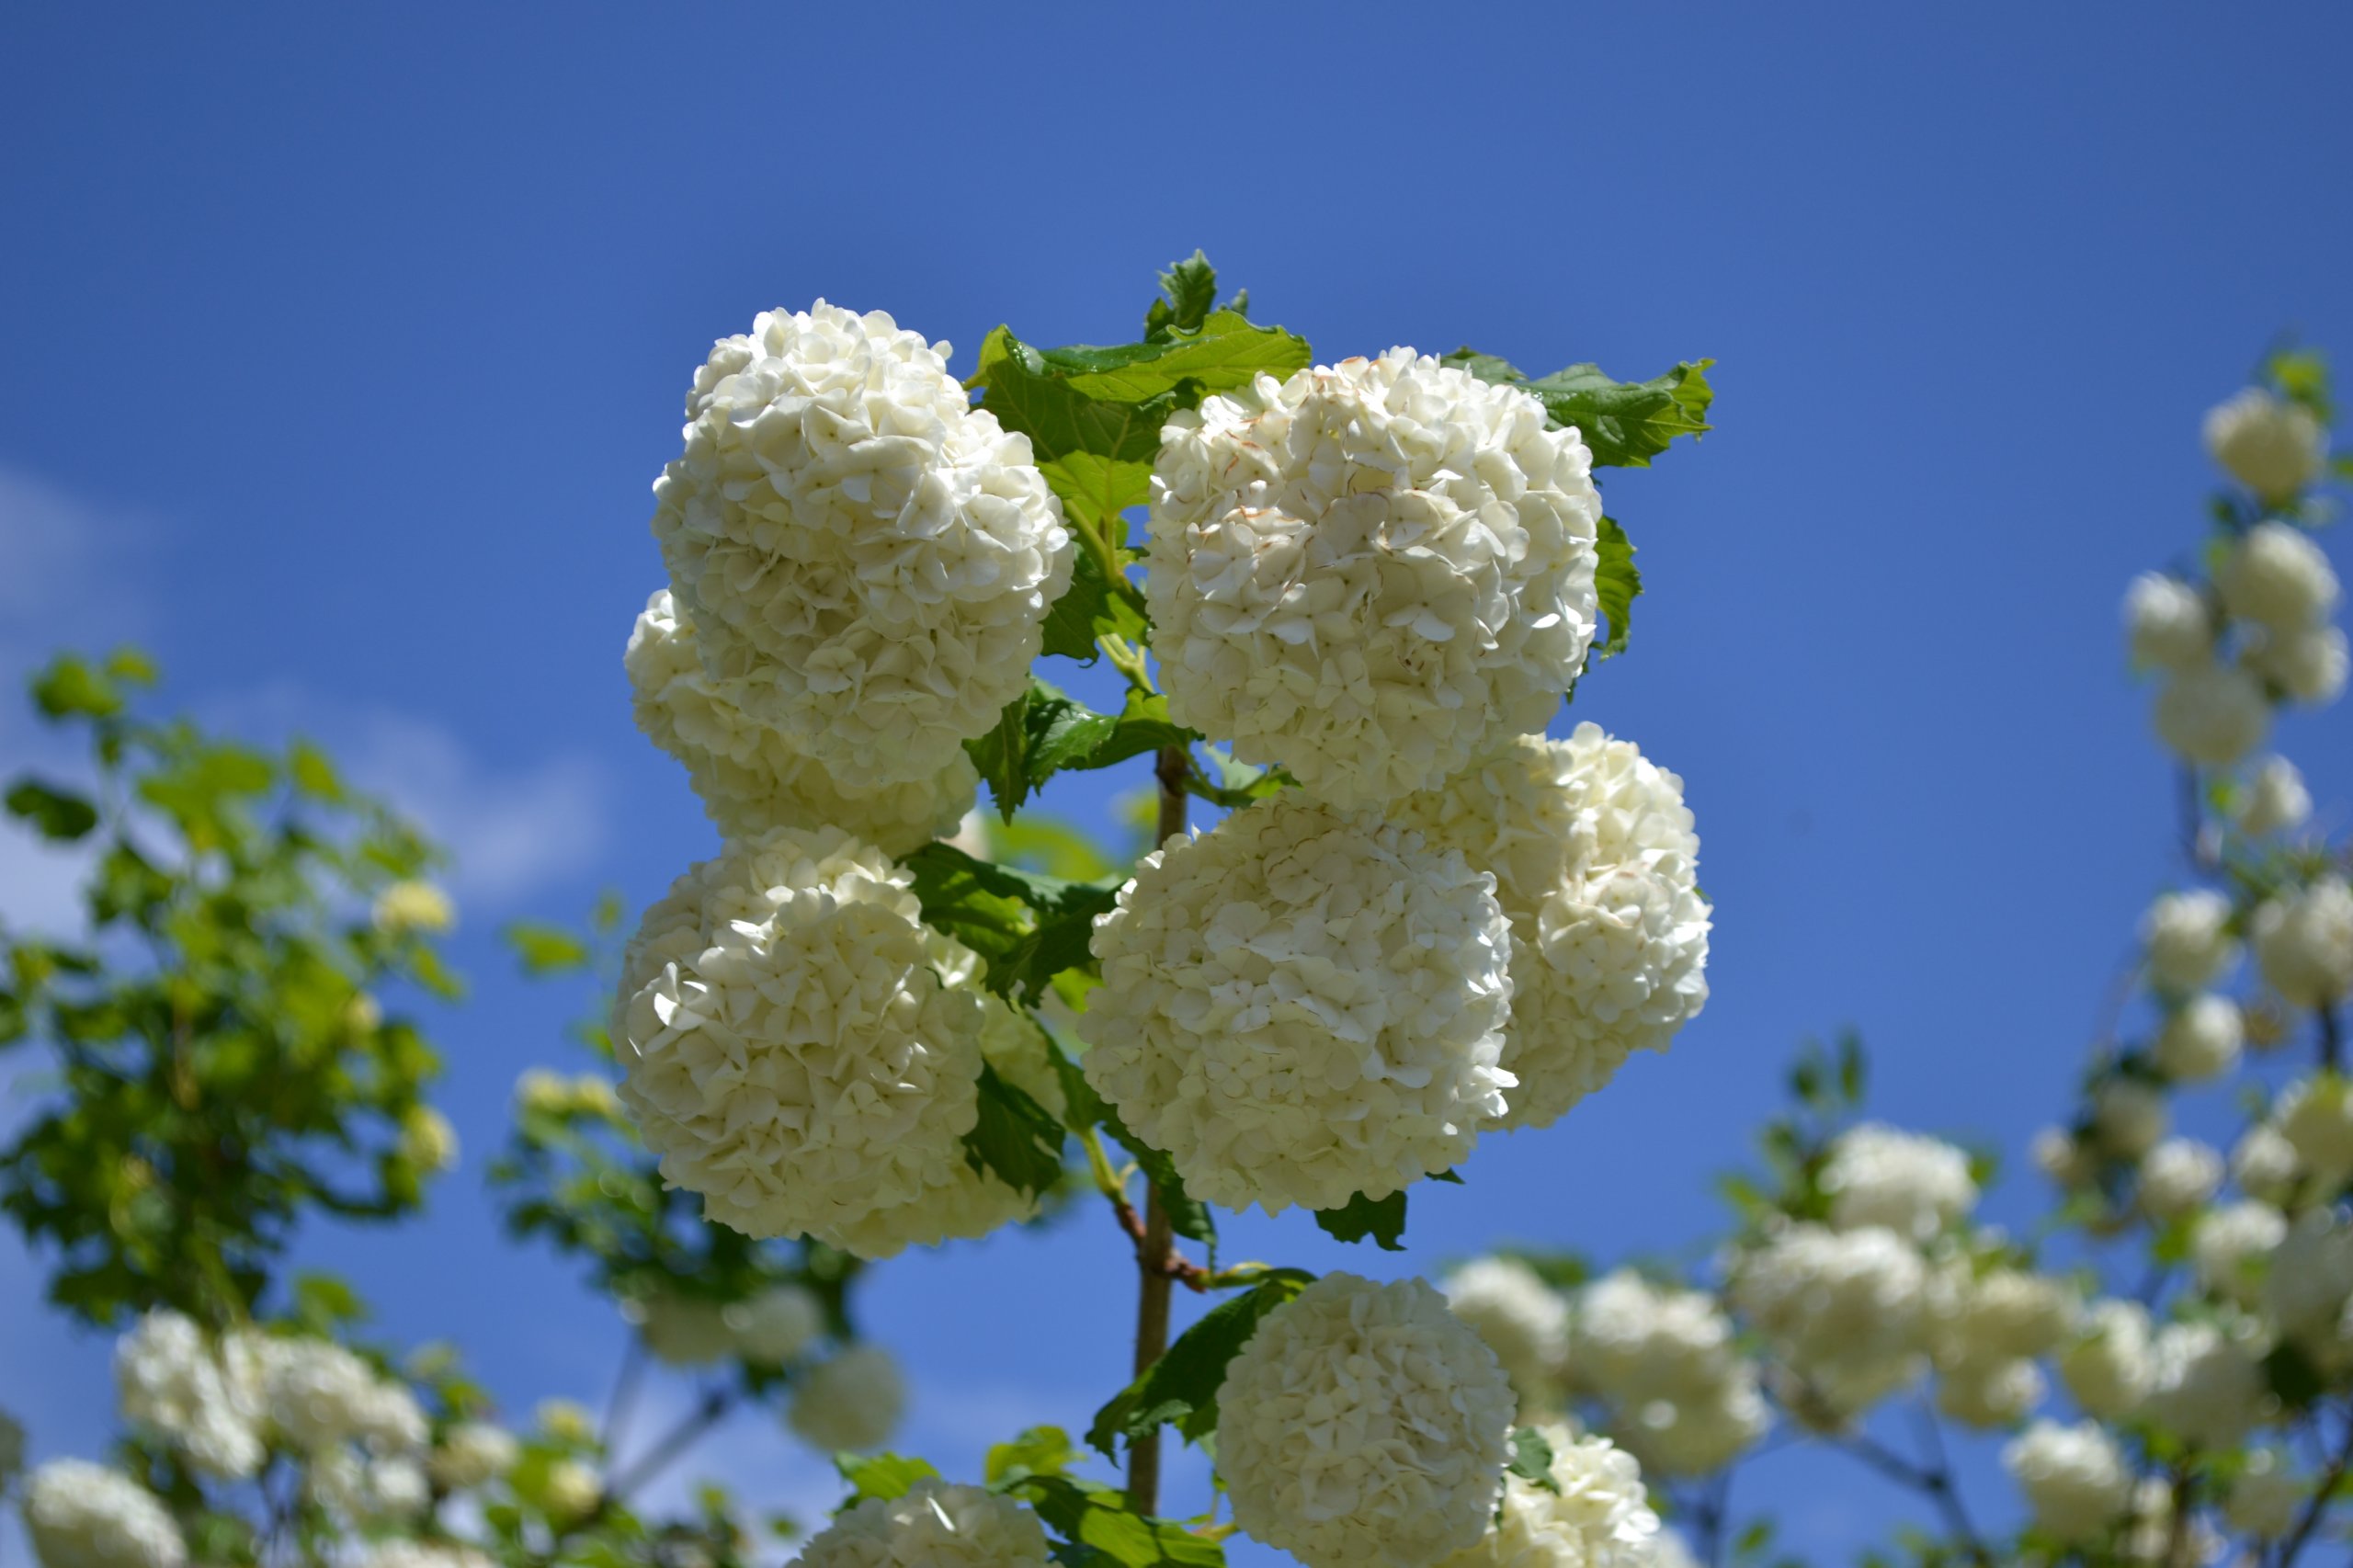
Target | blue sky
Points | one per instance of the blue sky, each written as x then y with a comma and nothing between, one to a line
340,346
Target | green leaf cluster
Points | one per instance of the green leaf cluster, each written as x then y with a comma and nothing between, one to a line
1180,1388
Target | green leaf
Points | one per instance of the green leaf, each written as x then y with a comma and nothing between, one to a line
2293,1376
1098,1516
1029,396
1531,1459
1224,353
53,814
882,1478
1188,1216
132,666
1044,732
1618,584
1040,1451
1624,424
1099,490
1191,288
313,773
323,1303
1089,609
69,685
1027,927
1382,1218
1181,1387
545,949
1016,1139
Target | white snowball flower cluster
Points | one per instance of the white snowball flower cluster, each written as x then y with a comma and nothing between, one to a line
2276,800
2315,1116
1371,572
473,1453
2007,1313
2212,715
2277,578
2110,1367
320,1396
2178,1176
2075,1479
1599,1516
1597,867
2188,942
1686,1403
1988,1393
2228,1245
868,558
1364,1426
2266,1496
681,1331
408,906
778,1324
2310,1278
1523,1320
2200,1040
2304,942
85,1515
791,1050
2166,623
2308,666
1301,1006
2273,446
853,1400
2060,1157
171,1381
2266,1166
2209,1388
571,1490
747,775
933,1525
1846,1309
2129,1117
1914,1184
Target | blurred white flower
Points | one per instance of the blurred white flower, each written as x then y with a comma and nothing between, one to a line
1910,1183
1990,1393
2208,1389
473,1453
413,906
2178,1176
2276,800
776,1325
2315,1116
2308,666
2109,1368
2264,1499
2273,446
2276,576
2304,942
853,1400
2228,1245
2266,1166
85,1515
680,1330
932,1525
2188,941
2211,715
2200,1040
2129,1117
2166,624
1597,1514
1523,1320
172,1384
2075,1479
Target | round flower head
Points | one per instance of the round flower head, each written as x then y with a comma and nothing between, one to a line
2061,1158
681,1331
776,1325
2276,800
1883,1176
2229,1245
2308,666
2211,715
1371,572
473,1453
2273,446
2179,1176
854,1400
2277,578
1637,1342
795,1049
2165,623
969,1202
170,1382
747,775
2209,1389
2311,1276
2201,1038
2315,1116
2189,940
1595,1513
85,1515
2008,1312
2108,1368
2266,1496
1700,1434
2129,1117
1523,1320
2075,1479
1831,1298
933,1525
1596,869
428,1141
2265,1165
1300,1006
2304,942
413,907
1363,1426
868,558
571,1489
319,1394
1996,1392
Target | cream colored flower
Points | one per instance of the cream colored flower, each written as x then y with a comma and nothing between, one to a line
2315,1116
2304,942
796,1047
2276,800
865,554
413,906
1991,1393
428,1141
2276,576
933,1525
85,1515
1597,867
1883,1176
2075,1479
2108,1368
679,1330
778,1324
748,775
2202,1040
473,1453
1371,572
1364,1426
172,1384
2308,666
853,1400
2188,941
1598,1517
1302,1006
2229,1245
2211,715
2166,624
2208,1389
2273,446
1523,1320
2178,1176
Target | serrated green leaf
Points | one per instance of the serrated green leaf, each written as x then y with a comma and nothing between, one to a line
1099,1518
1531,1459
56,814
1224,353
1623,424
1015,1138
545,949
1027,927
68,686
1181,1387
1044,732
1029,396
1089,609
1382,1218
882,1478
1619,583
1191,288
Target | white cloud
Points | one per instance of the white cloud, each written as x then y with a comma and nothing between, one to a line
70,570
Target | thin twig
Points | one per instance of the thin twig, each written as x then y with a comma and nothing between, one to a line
2323,1491
624,1398
2332,1037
